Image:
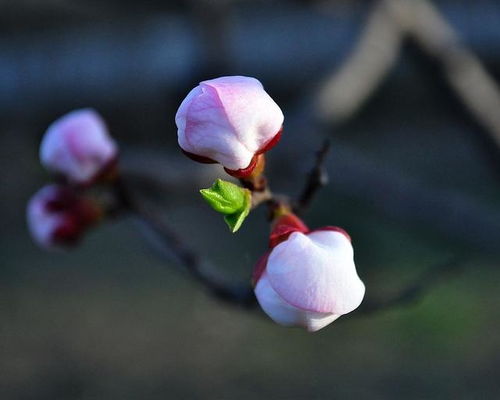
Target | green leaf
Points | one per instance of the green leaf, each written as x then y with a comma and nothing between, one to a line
229,199
234,221
224,197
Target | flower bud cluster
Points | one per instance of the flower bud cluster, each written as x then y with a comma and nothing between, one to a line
307,278
78,149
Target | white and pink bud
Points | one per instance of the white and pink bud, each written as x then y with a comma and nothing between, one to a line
308,278
58,216
79,147
229,120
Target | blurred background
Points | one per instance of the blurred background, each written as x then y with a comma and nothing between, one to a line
407,90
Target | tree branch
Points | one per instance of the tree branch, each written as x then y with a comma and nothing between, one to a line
317,179
197,267
347,89
374,55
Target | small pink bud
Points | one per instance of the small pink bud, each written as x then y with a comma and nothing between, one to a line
309,278
58,216
229,120
78,146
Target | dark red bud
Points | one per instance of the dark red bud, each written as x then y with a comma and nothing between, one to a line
77,214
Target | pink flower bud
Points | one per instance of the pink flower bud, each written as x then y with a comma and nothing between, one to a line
229,120
58,216
78,146
309,279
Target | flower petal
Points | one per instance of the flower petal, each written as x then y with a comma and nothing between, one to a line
41,223
274,306
285,314
204,129
77,145
254,115
316,272
314,321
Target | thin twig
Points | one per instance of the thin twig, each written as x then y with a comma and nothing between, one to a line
318,178
237,294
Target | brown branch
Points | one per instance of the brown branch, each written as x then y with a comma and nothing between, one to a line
463,70
317,179
376,52
197,267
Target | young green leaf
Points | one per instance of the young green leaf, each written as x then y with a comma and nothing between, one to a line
224,197
234,221
229,199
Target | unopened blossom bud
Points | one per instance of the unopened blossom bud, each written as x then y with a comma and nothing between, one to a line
229,120
78,146
57,216
309,278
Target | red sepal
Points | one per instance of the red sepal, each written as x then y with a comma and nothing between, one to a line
284,226
273,142
333,229
78,214
197,158
244,172
68,233
260,267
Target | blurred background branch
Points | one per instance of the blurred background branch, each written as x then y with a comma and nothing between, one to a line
376,52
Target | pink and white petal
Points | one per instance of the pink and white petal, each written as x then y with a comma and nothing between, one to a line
41,223
91,146
316,321
77,145
316,273
333,241
254,115
54,152
182,113
204,129
285,314
334,229
275,307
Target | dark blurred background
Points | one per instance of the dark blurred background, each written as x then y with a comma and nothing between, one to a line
407,90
